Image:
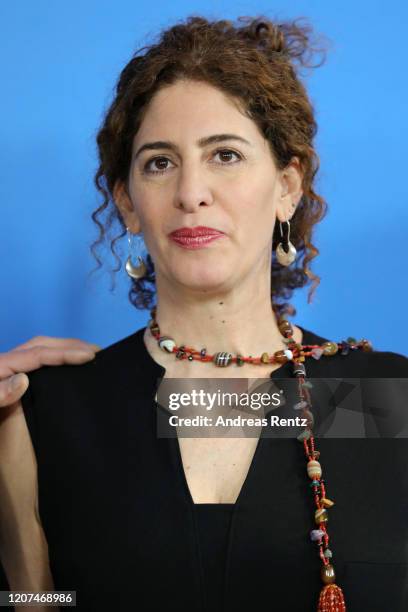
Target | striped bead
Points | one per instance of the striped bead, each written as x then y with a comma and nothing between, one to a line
299,369
222,359
314,469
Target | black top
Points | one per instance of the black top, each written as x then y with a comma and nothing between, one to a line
213,521
120,521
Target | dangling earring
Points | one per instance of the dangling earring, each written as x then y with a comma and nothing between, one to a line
285,251
135,271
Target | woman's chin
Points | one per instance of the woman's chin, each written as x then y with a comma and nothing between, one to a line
203,280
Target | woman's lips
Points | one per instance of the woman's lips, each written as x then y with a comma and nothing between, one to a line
195,242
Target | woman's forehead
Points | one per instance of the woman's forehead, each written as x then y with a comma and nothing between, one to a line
196,118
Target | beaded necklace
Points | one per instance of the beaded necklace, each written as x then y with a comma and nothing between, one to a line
331,597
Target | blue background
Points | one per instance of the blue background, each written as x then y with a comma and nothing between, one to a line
59,65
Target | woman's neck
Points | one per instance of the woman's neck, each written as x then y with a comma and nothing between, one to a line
246,327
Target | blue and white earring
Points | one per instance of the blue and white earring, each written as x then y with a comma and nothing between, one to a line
136,246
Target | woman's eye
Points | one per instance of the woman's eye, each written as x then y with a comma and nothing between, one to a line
227,152
153,165
155,160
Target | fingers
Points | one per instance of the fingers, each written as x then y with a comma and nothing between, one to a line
31,355
27,359
12,389
58,343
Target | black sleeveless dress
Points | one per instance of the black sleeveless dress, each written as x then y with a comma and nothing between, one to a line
124,533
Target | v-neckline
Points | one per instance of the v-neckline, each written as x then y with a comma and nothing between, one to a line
174,442
244,485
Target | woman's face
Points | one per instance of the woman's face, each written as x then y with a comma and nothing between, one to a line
231,185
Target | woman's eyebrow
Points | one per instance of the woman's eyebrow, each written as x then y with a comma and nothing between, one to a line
202,142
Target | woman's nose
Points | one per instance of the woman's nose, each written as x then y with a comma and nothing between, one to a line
193,191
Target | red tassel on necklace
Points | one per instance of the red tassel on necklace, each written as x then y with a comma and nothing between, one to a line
331,599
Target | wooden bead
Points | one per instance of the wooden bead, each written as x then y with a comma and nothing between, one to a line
280,356
329,348
328,575
314,469
285,328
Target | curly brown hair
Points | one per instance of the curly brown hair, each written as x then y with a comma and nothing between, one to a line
256,60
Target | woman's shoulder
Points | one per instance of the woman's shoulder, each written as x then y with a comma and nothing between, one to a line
117,372
123,354
350,361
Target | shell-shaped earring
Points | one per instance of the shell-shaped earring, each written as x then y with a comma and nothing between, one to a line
139,270
285,251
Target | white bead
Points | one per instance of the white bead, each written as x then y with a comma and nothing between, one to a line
288,353
167,344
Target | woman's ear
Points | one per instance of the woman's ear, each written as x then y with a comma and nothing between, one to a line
125,207
290,190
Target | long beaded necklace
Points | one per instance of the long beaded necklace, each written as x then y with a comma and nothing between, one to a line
331,597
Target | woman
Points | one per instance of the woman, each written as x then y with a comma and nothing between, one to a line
207,150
